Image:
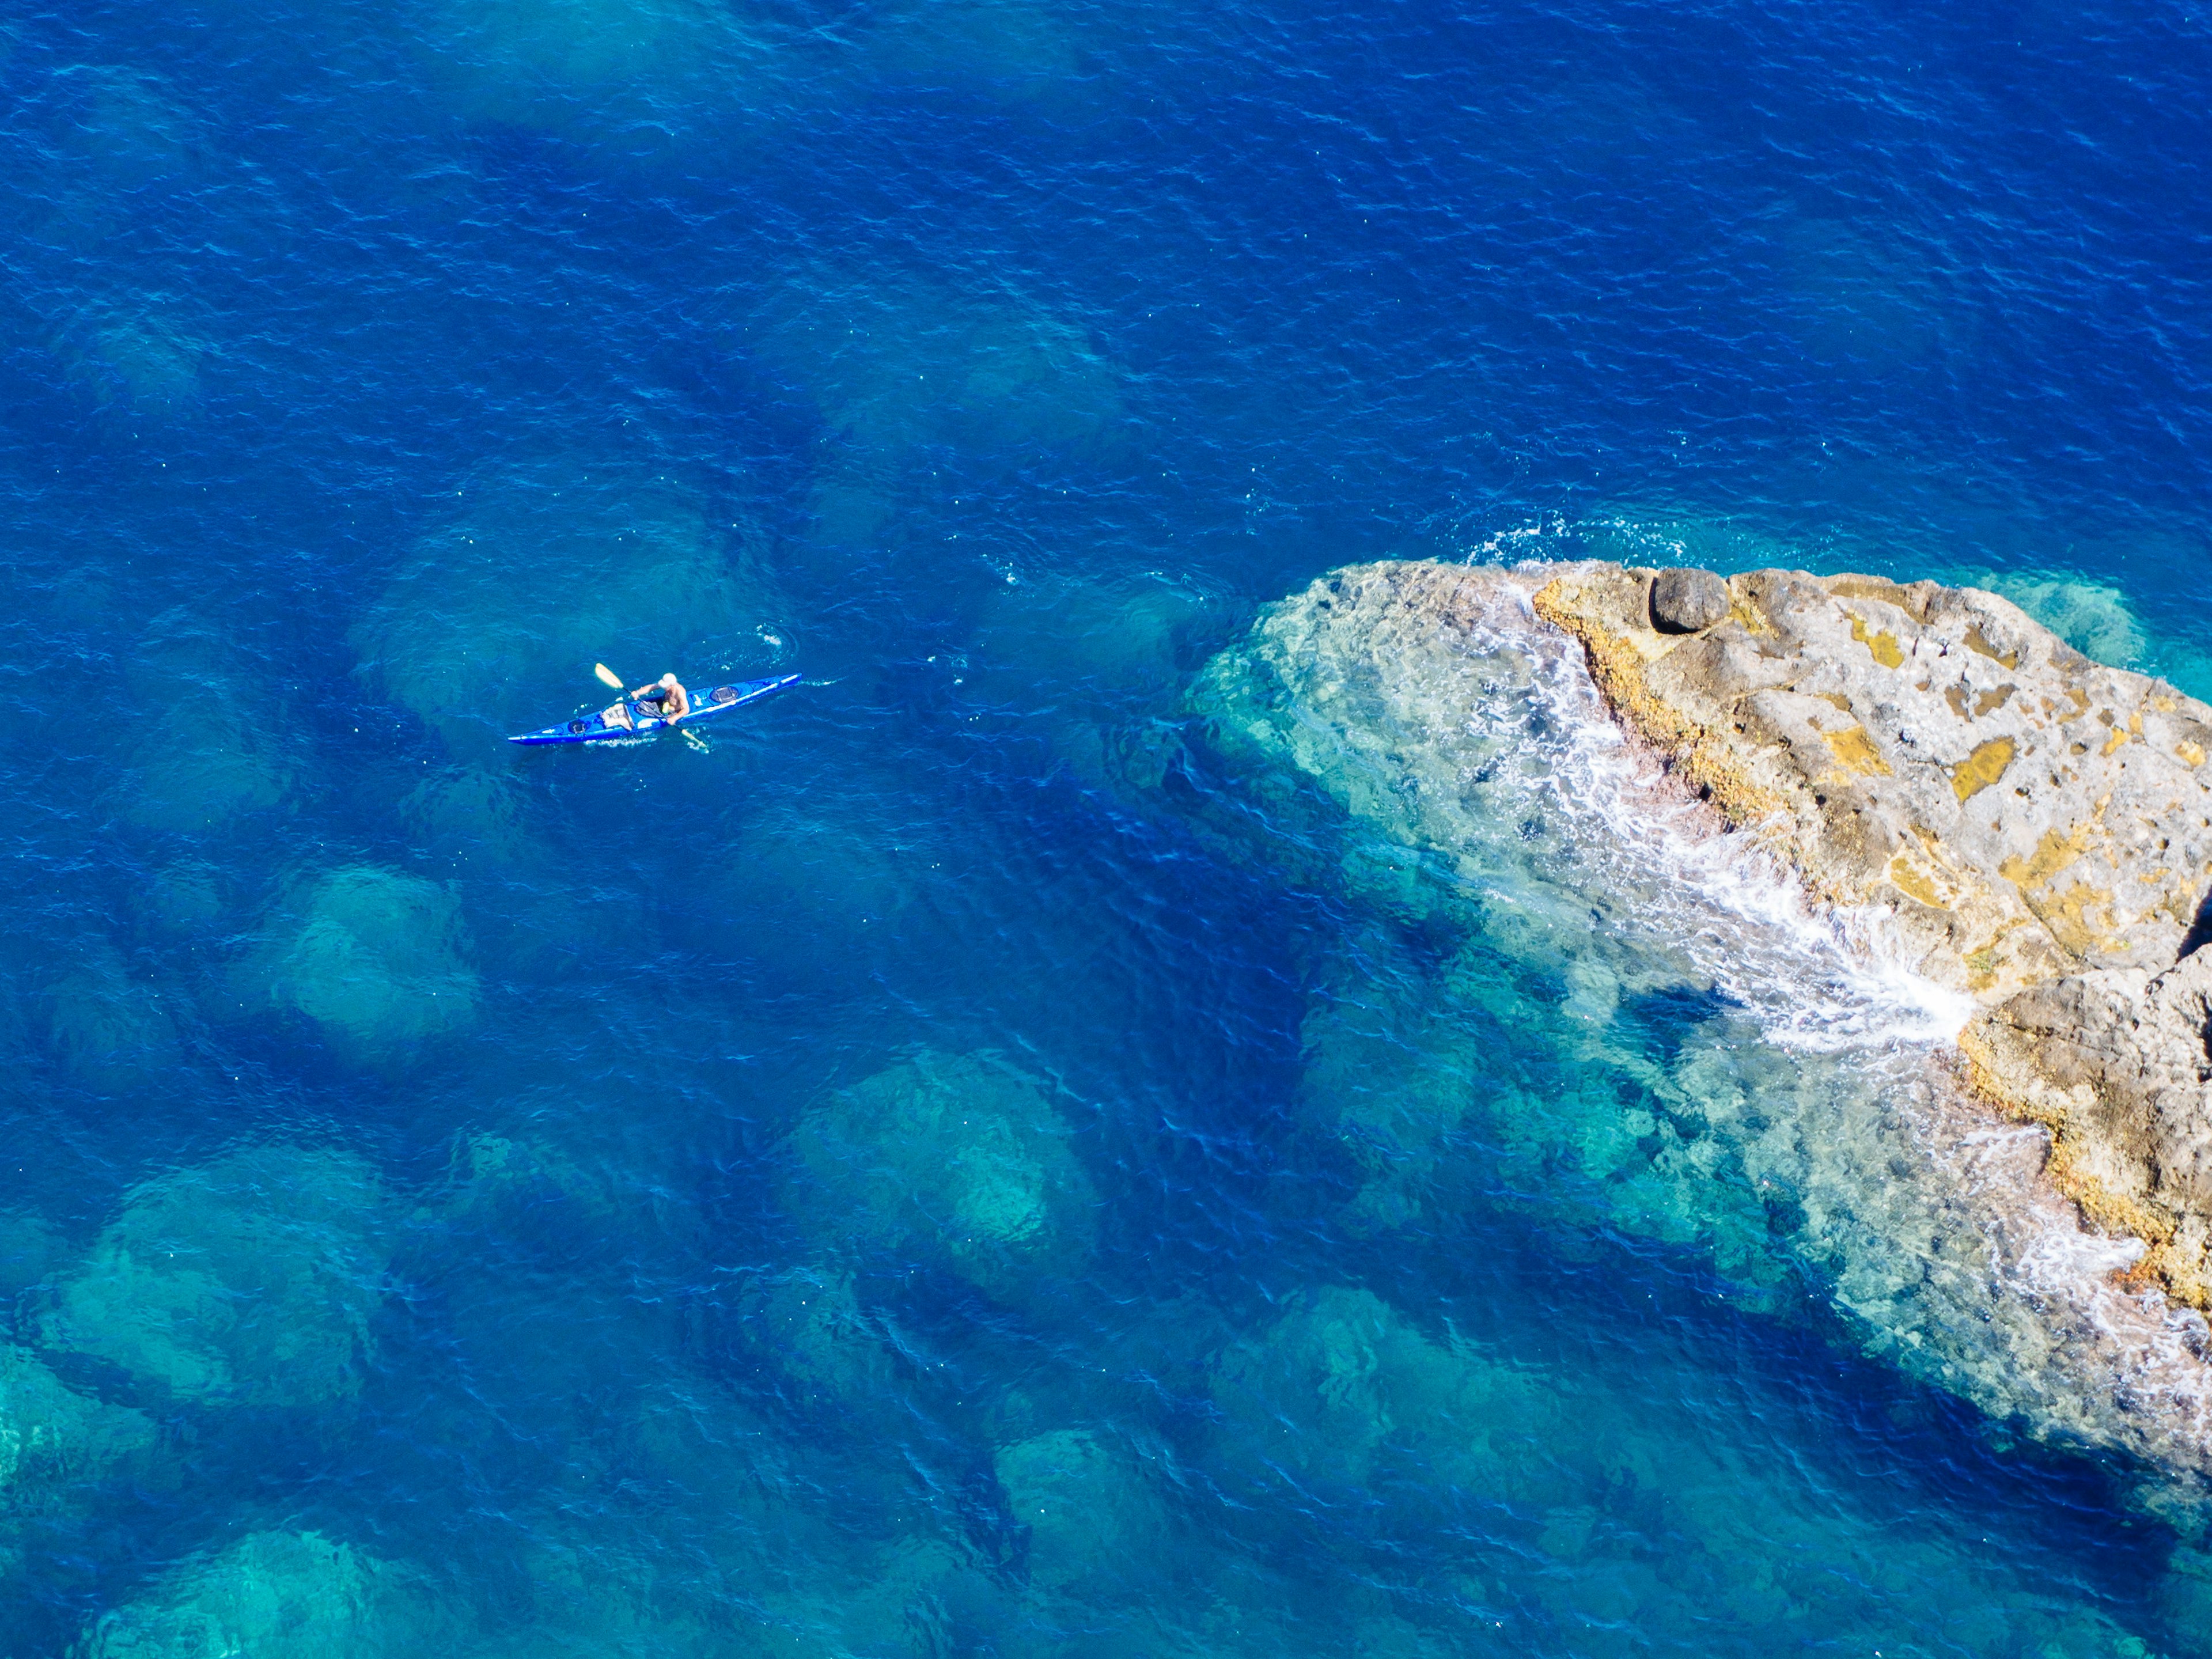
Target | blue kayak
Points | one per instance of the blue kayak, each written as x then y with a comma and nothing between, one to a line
632,719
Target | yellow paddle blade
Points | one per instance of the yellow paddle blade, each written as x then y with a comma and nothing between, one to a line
607,676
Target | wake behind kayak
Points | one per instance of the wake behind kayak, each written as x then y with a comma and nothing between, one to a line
632,718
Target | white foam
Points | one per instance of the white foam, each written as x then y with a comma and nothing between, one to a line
1816,979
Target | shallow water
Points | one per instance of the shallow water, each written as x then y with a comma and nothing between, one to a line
982,1159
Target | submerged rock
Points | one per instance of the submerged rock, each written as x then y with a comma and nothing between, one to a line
112,1030
957,1156
1609,1473
659,75
2095,619
1342,1387
135,361
53,1438
491,1174
249,1281
546,565
276,1596
375,957
215,743
1083,1507
1095,664
2038,828
826,1345
900,362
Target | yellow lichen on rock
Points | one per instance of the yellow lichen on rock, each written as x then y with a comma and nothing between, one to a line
1882,647
1855,752
2081,919
1878,587
1981,769
2055,852
1909,879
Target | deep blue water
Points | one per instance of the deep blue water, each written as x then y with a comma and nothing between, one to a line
578,1159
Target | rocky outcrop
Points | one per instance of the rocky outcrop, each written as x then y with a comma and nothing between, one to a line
2038,826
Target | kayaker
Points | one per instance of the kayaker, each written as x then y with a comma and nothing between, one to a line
668,694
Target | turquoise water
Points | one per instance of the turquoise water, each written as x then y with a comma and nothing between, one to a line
1038,1139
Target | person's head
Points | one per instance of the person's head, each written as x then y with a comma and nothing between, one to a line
667,682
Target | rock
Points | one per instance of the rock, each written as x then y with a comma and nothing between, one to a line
112,1030
375,957
250,1281
1087,1513
1570,986
544,563
959,1155
812,1328
2036,829
193,764
55,1442
276,1595
902,362
1687,601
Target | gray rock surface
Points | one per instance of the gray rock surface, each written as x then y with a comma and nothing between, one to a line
1688,601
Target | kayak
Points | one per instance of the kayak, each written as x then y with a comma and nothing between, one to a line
632,719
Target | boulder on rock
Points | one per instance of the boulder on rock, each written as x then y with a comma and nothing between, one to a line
1687,601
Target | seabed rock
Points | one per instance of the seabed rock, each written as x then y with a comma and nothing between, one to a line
53,1439
898,364
820,1337
376,957
545,564
249,1281
276,1596
1343,1391
112,1031
659,75
1342,1385
1085,1508
960,1157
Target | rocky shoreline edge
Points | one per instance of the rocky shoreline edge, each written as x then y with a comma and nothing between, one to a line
2038,828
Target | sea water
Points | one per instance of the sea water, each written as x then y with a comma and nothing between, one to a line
1010,1147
